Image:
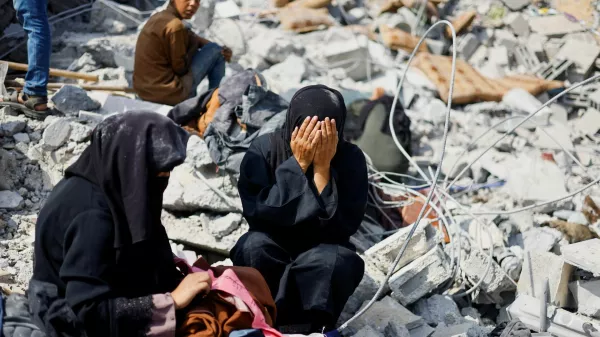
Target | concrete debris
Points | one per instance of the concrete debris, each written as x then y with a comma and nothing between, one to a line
462,330
10,200
420,277
587,297
438,309
542,267
584,255
9,126
388,317
56,134
71,99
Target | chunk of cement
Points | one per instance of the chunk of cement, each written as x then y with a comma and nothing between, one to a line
541,266
467,45
584,57
384,253
56,134
9,125
584,255
386,313
554,137
197,153
372,279
223,226
535,179
587,297
474,264
80,133
71,99
438,309
367,331
420,276
461,330
559,322
521,100
10,200
188,193
537,239
22,138
288,73
554,25
349,55
518,24
506,39
90,117
516,5
589,123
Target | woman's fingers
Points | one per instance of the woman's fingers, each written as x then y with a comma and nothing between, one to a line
311,127
334,129
295,133
303,127
317,140
325,132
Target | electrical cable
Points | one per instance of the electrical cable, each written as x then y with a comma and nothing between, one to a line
438,170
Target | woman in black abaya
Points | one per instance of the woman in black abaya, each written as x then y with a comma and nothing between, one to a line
304,193
102,261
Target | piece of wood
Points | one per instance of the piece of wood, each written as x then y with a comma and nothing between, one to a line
98,87
55,72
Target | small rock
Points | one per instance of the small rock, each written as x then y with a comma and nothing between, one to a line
10,126
21,138
23,191
10,200
80,132
71,99
224,226
35,136
56,134
438,309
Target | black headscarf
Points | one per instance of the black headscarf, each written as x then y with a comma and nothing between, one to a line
126,154
314,100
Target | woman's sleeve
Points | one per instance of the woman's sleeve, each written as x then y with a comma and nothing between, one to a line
274,200
344,199
86,271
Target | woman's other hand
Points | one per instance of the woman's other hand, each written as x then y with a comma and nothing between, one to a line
304,142
327,145
191,286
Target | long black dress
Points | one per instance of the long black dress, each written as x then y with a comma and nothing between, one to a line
298,239
102,261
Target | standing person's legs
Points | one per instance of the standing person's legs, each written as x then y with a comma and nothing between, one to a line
33,16
208,61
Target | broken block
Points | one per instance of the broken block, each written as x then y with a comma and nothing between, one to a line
554,70
541,266
499,56
526,58
535,180
587,297
438,309
553,136
535,43
559,322
518,24
461,330
582,54
367,288
467,45
589,123
506,39
384,253
386,313
554,25
584,255
474,264
349,55
420,276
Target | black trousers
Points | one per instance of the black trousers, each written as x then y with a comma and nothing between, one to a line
309,285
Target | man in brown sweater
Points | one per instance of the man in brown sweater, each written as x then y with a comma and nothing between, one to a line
171,61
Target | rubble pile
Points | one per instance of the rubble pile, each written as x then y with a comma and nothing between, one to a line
514,220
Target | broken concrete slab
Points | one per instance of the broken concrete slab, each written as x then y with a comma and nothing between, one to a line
505,38
474,264
540,267
56,134
559,322
349,55
534,179
384,253
372,279
467,45
463,330
518,24
584,255
71,99
222,226
10,200
587,297
385,313
584,58
420,276
554,25
438,309
554,137
537,239
589,123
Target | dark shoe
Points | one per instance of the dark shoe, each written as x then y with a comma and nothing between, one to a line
28,106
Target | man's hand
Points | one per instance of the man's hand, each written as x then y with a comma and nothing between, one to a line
227,54
304,142
327,145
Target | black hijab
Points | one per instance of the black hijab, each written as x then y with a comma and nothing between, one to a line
314,100
126,154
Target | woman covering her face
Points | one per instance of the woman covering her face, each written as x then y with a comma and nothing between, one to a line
304,193
102,261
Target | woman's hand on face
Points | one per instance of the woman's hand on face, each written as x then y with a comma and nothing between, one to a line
304,142
191,286
327,144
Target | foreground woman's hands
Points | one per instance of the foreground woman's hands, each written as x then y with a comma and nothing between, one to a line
304,142
327,146
192,285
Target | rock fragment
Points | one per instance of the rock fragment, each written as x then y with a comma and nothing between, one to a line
10,200
56,134
71,99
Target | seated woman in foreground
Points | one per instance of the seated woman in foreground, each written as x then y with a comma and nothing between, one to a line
102,261
304,193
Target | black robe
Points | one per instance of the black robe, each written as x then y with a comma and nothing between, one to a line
298,239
